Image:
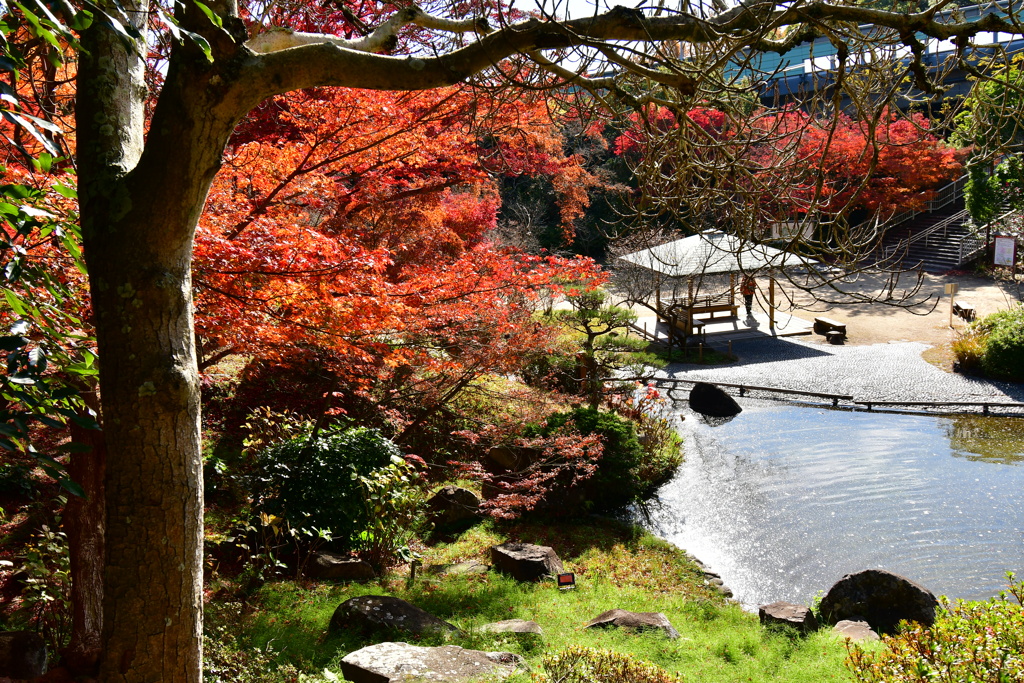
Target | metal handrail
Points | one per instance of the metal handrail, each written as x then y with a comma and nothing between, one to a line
978,242
943,225
944,196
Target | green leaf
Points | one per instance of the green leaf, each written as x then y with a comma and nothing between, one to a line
24,123
213,17
37,360
65,191
13,343
85,422
16,303
202,43
54,21
82,370
50,422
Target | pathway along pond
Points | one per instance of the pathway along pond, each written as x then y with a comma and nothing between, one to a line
784,500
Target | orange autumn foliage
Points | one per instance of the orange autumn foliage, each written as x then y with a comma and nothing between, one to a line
352,225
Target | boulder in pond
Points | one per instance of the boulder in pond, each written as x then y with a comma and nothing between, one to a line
332,566
526,561
393,662
788,614
22,655
453,508
641,621
880,598
380,611
707,399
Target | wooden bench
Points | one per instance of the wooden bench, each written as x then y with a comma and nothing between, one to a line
964,310
826,325
690,326
835,337
731,308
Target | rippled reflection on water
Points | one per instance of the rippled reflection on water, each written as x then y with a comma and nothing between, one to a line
783,500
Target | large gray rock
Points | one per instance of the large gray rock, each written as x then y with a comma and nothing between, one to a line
512,626
707,399
788,614
328,565
22,655
393,662
880,598
453,507
380,611
525,561
641,621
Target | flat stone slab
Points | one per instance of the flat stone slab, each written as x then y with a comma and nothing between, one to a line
640,621
381,611
459,569
394,662
526,561
788,614
332,566
512,626
855,630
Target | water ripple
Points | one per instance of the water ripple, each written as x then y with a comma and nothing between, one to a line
784,500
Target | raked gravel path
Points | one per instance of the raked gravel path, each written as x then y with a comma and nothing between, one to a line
879,372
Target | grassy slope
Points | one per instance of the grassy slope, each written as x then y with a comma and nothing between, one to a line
615,566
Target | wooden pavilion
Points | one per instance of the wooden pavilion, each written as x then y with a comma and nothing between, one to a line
699,275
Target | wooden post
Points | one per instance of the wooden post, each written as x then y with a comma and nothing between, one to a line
771,301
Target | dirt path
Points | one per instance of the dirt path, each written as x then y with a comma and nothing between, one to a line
879,323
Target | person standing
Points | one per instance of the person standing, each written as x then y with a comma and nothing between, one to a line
747,289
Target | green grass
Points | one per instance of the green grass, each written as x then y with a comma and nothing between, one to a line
615,566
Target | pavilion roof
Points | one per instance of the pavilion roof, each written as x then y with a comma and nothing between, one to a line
710,253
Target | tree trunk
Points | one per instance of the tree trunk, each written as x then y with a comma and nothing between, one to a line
139,210
85,523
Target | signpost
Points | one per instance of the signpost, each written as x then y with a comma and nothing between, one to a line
1005,253
951,289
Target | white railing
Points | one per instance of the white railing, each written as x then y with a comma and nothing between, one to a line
925,235
971,246
944,196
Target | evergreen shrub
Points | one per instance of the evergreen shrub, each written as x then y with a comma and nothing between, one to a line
1003,357
618,478
315,484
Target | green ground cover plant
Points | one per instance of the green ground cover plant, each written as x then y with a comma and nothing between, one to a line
616,565
994,345
970,641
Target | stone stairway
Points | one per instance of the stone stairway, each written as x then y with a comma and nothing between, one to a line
933,242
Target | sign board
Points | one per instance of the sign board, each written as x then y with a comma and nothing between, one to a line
567,580
1006,251
952,288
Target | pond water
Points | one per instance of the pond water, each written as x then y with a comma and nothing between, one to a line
784,500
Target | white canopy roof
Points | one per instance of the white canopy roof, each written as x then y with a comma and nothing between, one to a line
710,253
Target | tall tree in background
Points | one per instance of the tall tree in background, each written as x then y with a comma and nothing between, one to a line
150,143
